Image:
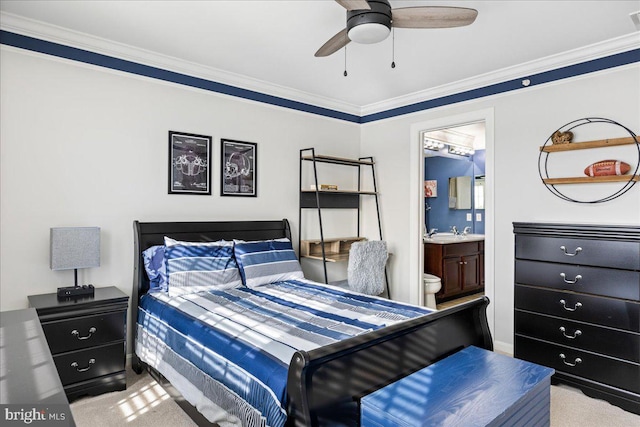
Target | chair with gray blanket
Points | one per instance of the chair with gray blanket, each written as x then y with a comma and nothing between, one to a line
366,269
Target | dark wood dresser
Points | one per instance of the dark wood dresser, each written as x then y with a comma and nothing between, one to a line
87,338
577,306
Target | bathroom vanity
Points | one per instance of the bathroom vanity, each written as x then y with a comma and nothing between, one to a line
458,261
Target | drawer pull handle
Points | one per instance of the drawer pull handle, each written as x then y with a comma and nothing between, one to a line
575,362
576,334
564,249
571,282
92,331
75,365
564,304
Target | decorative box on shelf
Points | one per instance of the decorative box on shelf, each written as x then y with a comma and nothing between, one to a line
335,249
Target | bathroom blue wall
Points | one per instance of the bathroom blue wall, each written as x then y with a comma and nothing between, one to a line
437,212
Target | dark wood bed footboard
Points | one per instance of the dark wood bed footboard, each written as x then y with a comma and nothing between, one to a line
325,385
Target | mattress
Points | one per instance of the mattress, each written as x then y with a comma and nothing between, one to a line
228,351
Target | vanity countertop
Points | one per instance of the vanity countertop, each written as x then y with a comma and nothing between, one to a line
449,238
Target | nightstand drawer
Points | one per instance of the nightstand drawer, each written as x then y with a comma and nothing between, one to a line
609,282
90,363
606,370
82,332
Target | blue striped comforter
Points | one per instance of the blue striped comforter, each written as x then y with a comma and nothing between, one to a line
245,338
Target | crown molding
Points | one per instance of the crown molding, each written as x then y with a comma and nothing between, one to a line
598,50
55,34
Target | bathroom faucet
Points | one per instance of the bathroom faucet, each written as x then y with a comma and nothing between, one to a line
466,230
454,230
432,232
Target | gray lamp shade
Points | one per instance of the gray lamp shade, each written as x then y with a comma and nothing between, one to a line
75,247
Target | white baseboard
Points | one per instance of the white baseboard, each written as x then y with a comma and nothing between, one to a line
503,347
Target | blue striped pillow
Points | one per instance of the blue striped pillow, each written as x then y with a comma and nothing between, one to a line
267,261
193,268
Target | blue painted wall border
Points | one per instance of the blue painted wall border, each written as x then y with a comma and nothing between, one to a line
591,66
62,51
75,54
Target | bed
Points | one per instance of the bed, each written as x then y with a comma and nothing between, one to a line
321,384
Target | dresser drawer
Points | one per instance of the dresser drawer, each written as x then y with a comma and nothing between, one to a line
604,311
90,363
82,332
591,280
606,370
603,253
585,336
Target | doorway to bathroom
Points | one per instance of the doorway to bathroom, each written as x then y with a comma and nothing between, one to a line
454,207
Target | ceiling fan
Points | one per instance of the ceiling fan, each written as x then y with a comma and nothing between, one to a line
370,21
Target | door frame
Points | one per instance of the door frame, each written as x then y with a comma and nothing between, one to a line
416,205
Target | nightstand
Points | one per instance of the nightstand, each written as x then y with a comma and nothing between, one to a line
87,338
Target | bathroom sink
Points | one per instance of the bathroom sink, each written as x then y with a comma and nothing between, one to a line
444,238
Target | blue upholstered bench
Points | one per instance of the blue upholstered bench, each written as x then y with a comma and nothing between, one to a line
473,387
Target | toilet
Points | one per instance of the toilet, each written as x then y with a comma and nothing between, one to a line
432,285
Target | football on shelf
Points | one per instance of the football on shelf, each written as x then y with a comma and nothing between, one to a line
607,168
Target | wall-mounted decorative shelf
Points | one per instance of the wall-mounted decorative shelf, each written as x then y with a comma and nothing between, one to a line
588,144
626,181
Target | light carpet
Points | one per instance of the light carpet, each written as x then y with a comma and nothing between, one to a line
145,404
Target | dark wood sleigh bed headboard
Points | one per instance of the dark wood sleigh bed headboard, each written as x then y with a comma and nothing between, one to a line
148,234
324,385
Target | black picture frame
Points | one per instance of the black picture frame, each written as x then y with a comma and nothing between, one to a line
189,163
238,169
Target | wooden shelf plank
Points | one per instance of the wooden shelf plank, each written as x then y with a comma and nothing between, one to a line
338,160
589,144
591,179
329,257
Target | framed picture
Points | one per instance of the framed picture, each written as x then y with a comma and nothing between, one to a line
238,169
189,163
431,188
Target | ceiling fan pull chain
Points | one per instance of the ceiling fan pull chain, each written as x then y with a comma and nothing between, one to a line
345,61
393,47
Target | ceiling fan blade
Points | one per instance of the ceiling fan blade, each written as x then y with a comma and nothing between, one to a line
334,44
354,4
432,17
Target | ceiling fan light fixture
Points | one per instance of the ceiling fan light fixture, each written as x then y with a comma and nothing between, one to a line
369,33
370,25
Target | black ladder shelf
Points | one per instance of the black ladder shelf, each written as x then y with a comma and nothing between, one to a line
333,249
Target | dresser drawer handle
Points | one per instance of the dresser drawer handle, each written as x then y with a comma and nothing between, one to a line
571,282
577,333
564,249
75,365
92,331
564,304
575,362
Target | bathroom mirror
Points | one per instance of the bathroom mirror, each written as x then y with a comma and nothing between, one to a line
460,192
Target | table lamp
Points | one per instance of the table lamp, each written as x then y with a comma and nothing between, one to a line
74,248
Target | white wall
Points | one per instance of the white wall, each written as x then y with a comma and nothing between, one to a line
523,120
85,146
